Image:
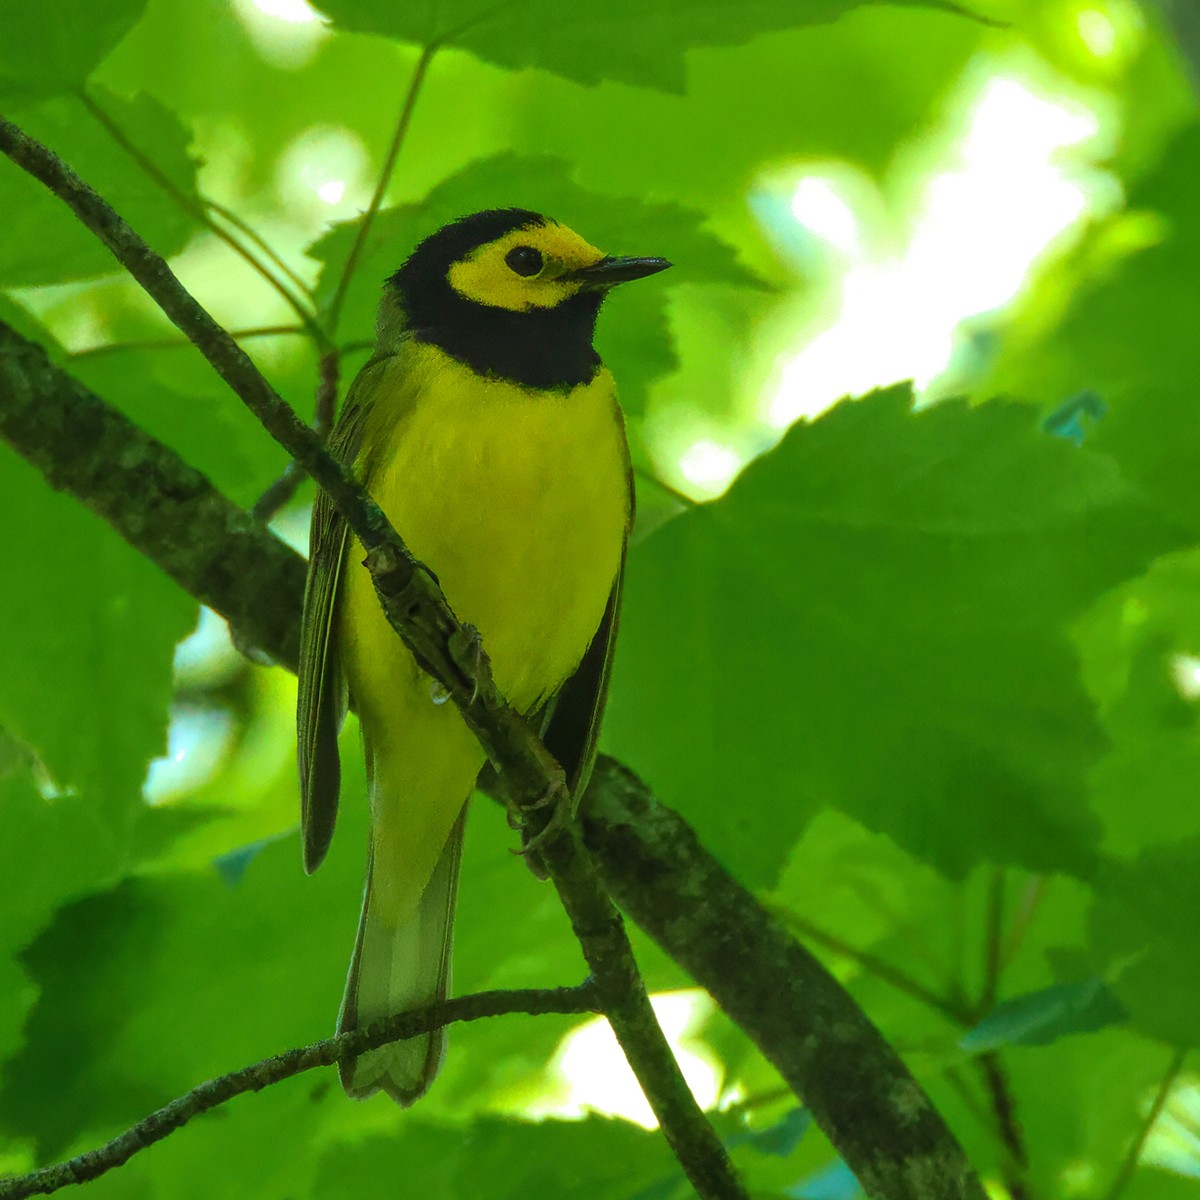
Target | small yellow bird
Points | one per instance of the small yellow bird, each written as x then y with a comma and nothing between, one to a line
487,429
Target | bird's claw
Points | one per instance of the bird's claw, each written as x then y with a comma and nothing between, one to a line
556,798
467,650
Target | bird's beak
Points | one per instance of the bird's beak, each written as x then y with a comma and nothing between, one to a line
609,270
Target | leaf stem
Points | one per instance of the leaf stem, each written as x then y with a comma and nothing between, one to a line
1031,898
993,942
799,1016
682,497
241,335
876,966
381,185
198,208
243,226
1008,1127
1129,1166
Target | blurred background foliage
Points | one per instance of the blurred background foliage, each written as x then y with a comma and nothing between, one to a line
922,668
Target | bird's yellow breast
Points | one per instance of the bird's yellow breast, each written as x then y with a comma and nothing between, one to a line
518,500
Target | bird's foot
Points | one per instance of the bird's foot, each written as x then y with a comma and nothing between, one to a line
557,799
466,648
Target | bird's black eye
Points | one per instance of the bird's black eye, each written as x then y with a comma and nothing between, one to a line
525,260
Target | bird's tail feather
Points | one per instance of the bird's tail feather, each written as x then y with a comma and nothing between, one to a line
397,968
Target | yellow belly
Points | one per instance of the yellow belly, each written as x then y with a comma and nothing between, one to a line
518,502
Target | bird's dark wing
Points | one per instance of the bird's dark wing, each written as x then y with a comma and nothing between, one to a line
321,704
571,729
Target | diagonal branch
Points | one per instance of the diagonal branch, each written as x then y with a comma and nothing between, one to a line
801,1019
841,1067
162,507
209,1095
418,612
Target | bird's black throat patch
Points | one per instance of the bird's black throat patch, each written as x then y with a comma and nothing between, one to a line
549,348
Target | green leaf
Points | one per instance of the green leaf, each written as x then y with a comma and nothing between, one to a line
1130,338
875,617
51,851
51,46
1146,925
44,242
590,41
122,973
1103,1085
87,633
1143,789
595,1159
1038,1018
252,962
777,1140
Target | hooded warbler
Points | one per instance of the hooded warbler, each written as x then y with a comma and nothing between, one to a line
487,429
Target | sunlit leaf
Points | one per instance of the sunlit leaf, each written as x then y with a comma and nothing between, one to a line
874,617
591,41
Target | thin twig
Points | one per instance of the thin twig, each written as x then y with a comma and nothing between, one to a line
209,1095
244,227
1031,898
228,359
284,488
874,965
241,335
199,210
1130,1165
904,930
381,186
993,942
1008,1127
278,493
958,1081
418,612
1004,1104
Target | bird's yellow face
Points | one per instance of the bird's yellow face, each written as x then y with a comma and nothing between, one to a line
529,268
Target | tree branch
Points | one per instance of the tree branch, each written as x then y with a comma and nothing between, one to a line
799,1016
284,488
418,612
171,513
209,1095
241,335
